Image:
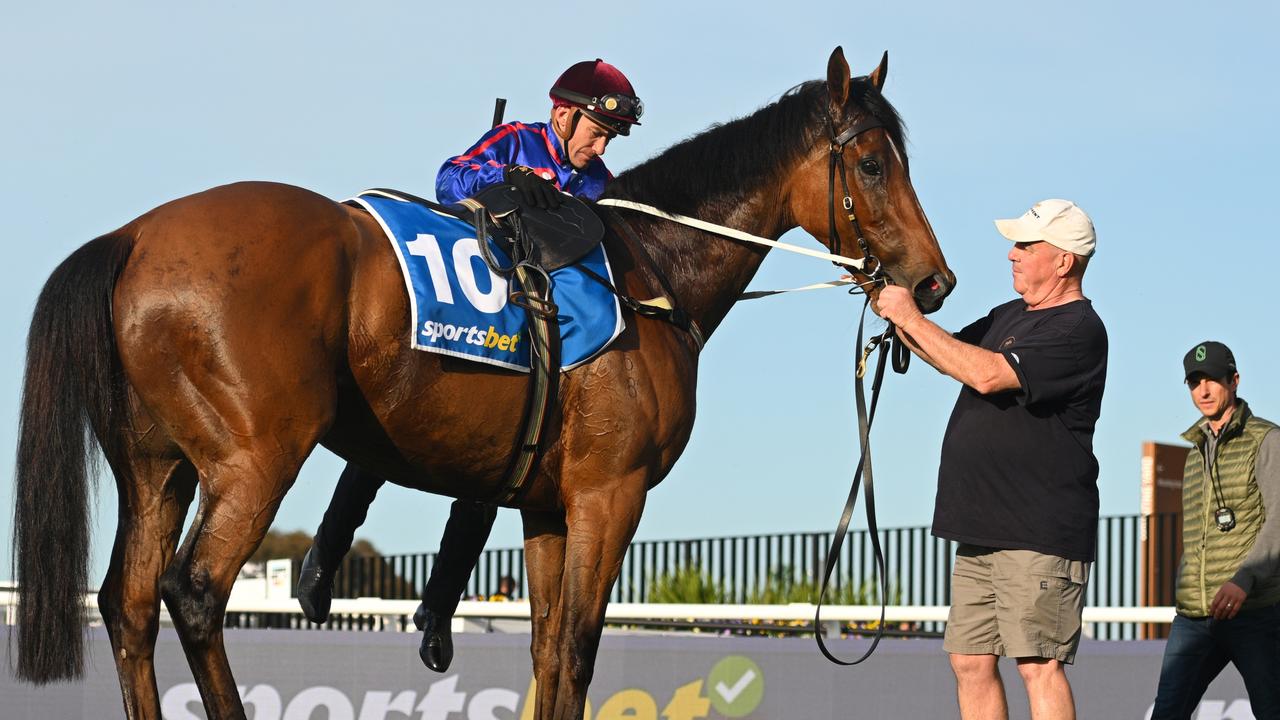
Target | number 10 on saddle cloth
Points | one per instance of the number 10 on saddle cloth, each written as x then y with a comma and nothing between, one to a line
459,307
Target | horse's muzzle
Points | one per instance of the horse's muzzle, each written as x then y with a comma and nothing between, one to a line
931,291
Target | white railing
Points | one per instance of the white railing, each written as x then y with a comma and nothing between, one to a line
621,612
675,611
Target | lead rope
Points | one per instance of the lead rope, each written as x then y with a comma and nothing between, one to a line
865,418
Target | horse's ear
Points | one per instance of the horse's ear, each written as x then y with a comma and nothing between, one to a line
838,77
878,75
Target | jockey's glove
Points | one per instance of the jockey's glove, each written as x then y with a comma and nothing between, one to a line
535,189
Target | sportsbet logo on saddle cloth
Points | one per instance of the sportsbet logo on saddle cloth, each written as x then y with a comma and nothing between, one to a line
459,307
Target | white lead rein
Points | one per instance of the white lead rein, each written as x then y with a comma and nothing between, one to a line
756,294
732,233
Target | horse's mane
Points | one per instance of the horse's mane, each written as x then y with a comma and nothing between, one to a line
746,151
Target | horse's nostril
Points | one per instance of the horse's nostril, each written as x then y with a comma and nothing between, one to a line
940,285
930,287
931,291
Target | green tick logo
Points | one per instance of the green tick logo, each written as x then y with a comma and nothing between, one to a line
1200,354
736,686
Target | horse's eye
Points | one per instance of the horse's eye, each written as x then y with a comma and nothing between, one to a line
869,166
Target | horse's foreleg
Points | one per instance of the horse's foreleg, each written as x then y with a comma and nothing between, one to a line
544,536
601,522
239,499
154,497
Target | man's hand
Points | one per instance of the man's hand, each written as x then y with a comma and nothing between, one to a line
1227,602
896,305
535,189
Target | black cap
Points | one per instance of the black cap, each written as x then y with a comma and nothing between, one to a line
1211,358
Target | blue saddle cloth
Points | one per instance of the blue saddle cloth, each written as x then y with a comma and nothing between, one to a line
459,307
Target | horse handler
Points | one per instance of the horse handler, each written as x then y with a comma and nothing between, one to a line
1017,483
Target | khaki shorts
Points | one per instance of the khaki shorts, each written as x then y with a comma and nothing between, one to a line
1015,603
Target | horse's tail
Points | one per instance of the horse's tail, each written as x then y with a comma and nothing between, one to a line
74,386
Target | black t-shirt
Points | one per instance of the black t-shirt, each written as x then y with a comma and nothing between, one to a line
1018,470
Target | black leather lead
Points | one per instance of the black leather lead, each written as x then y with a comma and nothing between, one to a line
865,418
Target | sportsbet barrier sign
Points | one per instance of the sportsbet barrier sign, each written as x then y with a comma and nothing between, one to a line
319,675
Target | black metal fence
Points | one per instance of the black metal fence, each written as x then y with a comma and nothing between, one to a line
918,566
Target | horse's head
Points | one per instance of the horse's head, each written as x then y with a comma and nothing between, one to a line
853,191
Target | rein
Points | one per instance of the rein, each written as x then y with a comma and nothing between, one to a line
731,232
665,307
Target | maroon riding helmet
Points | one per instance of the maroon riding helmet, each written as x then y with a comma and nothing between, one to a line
601,92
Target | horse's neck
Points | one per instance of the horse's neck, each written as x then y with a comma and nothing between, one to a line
707,272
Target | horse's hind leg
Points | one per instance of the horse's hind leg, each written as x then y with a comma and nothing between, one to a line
240,494
154,495
230,322
243,476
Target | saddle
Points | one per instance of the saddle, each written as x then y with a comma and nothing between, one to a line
551,239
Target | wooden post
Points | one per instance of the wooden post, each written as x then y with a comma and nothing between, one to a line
1160,527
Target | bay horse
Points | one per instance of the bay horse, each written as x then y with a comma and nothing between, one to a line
213,342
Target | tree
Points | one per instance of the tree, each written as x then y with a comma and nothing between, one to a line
277,544
293,545
364,572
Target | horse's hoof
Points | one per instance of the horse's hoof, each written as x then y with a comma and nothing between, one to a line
315,588
436,649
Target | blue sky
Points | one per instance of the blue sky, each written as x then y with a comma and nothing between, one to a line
1158,119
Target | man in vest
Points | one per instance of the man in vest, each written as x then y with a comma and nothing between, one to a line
1017,483
592,102
1229,582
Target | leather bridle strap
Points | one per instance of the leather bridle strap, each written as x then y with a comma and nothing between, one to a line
870,265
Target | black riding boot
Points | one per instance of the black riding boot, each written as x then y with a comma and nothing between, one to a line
347,510
464,537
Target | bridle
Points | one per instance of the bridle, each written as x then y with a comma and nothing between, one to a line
868,265
871,266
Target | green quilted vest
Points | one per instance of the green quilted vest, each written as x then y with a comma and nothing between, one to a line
1211,557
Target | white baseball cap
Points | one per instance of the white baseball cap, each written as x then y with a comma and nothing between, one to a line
1061,223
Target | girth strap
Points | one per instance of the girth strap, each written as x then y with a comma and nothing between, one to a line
535,295
544,376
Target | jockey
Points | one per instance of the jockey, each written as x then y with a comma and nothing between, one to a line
592,102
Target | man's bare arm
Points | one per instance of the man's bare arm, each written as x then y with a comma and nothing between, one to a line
985,371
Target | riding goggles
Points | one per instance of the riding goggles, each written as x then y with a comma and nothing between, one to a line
618,105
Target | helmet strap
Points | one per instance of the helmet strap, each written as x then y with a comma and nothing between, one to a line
573,126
